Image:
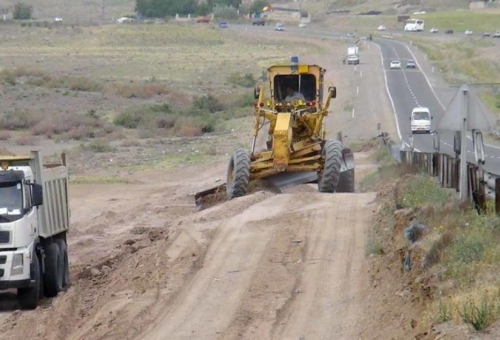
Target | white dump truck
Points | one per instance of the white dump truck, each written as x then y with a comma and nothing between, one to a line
353,55
34,221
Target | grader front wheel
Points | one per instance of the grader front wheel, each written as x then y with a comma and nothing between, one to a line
329,176
238,174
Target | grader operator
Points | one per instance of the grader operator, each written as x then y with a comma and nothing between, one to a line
297,151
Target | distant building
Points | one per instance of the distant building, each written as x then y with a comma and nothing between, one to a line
476,4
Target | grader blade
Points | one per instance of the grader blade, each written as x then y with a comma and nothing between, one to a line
289,179
217,194
210,196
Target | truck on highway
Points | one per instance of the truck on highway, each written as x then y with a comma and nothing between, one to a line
258,20
420,120
353,55
34,221
414,25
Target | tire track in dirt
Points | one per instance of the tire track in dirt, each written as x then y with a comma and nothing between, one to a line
207,303
333,274
287,267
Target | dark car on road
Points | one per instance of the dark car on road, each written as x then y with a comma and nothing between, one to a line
449,32
411,64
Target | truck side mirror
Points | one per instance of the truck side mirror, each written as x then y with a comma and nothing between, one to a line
256,92
332,91
37,197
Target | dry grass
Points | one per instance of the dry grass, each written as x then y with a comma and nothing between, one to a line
457,257
123,71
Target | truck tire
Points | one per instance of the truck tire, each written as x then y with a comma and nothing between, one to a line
28,298
63,250
328,179
53,271
346,181
238,174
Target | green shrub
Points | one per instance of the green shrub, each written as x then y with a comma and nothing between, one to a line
98,146
22,11
244,80
155,116
18,120
479,315
206,103
245,101
422,189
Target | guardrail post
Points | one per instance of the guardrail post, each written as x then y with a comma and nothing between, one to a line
482,197
435,164
456,175
497,195
449,172
472,184
443,170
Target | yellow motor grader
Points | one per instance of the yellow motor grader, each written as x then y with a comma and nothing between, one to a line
297,152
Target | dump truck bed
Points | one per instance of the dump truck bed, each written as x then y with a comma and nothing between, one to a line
54,213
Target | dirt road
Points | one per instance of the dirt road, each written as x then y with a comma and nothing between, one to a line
290,266
147,265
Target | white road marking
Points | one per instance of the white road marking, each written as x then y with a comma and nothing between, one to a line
357,90
361,73
352,113
389,92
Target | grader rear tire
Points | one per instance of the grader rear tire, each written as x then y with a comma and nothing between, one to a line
329,177
238,174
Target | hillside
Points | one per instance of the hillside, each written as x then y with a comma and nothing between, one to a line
87,11
81,11
318,7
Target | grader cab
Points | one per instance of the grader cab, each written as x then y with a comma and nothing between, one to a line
296,149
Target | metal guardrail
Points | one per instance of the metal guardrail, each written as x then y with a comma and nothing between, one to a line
446,169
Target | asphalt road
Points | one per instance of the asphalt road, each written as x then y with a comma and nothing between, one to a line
408,88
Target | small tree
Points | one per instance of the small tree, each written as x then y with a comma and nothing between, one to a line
22,11
258,5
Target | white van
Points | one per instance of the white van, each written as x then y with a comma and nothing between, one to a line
420,120
414,25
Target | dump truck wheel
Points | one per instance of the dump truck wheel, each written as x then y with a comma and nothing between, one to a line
238,174
329,177
53,271
28,297
63,249
346,181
